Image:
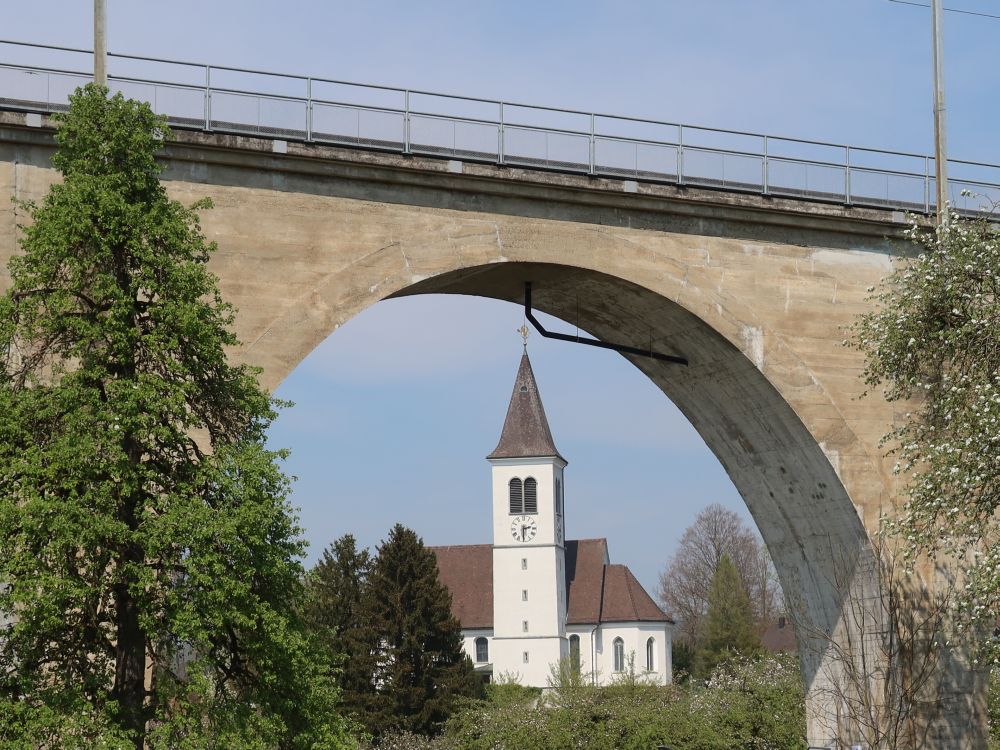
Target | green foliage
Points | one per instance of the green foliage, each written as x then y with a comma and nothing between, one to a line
932,342
335,590
511,693
408,646
750,703
682,660
730,625
128,544
755,702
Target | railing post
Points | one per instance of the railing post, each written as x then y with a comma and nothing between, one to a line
763,169
500,143
406,122
309,109
927,185
593,147
680,154
847,175
208,97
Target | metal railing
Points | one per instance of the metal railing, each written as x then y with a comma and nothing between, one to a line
412,121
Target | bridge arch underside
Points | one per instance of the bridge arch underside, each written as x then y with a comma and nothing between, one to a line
800,505
803,510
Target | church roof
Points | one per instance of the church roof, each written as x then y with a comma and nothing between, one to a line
467,571
625,600
780,636
596,590
526,431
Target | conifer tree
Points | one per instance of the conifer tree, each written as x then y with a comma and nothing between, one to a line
419,666
336,588
150,578
730,627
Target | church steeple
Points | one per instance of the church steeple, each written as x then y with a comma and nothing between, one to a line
529,532
526,431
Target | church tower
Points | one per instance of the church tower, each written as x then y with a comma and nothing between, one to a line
529,561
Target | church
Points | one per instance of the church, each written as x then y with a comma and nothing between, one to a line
533,597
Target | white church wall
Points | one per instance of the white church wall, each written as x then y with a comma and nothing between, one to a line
469,638
586,634
634,637
544,471
524,592
526,660
528,577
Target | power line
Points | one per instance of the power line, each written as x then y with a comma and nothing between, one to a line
949,10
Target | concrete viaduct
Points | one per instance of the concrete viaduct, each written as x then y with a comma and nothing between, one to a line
756,291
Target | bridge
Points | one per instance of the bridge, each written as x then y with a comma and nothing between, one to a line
217,98
749,274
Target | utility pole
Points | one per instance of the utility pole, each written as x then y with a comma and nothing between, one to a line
101,42
940,144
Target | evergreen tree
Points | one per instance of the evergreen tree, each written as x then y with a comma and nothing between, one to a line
336,587
150,577
419,667
730,628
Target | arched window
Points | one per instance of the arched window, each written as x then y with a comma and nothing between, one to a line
618,649
516,497
650,650
574,652
530,495
482,650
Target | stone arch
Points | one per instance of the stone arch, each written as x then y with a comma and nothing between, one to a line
754,291
804,511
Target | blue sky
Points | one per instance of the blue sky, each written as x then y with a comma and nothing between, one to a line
397,409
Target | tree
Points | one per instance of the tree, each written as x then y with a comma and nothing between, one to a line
685,584
931,343
419,668
748,703
336,587
729,625
150,576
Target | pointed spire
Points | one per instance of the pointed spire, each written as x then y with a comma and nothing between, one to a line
526,431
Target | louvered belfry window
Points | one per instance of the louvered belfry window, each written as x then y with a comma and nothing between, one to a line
516,497
530,495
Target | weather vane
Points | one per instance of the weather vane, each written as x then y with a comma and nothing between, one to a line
523,330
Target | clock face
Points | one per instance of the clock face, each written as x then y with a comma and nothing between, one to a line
523,528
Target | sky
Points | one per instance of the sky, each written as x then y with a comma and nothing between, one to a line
396,411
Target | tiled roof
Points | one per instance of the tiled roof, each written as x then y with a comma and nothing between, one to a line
467,571
780,636
526,431
625,600
596,591
585,561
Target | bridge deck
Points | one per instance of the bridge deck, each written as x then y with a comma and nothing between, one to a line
299,108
